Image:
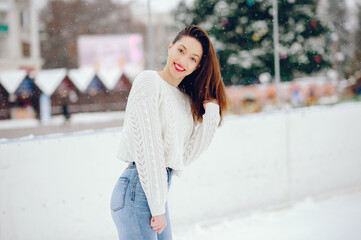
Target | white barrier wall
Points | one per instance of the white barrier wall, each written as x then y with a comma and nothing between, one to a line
59,187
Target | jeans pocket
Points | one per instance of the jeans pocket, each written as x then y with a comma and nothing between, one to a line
118,195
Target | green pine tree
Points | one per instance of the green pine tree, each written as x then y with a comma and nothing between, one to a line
242,31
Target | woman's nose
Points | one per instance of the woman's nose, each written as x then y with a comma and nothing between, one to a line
182,63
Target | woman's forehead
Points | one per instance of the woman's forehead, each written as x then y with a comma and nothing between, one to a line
191,44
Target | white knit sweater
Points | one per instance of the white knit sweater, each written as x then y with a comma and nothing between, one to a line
159,132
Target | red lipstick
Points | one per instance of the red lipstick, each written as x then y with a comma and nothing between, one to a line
178,67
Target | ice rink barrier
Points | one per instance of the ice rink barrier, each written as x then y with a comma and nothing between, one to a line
59,186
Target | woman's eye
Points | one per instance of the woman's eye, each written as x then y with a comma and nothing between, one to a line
180,50
194,60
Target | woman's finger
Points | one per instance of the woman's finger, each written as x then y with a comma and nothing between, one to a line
158,230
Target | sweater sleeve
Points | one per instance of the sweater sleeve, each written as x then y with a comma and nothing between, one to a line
202,134
146,138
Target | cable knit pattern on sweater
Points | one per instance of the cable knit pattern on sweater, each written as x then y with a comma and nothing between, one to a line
159,132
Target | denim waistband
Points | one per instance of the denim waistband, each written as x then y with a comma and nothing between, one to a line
132,165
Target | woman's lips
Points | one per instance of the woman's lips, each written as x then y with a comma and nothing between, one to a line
178,67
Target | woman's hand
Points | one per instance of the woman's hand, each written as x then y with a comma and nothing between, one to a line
158,223
213,100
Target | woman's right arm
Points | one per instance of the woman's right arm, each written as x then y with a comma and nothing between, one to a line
144,127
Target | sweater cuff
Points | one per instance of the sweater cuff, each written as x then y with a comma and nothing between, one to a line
212,107
157,211
212,113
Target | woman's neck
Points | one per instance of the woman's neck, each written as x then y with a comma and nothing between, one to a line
168,77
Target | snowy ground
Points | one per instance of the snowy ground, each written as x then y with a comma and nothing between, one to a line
334,218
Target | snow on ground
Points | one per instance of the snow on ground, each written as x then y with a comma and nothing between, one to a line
335,218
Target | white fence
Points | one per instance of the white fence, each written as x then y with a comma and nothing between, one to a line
59,187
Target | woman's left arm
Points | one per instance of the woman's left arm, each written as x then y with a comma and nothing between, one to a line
203,133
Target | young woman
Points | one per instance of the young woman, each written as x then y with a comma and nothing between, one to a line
170,119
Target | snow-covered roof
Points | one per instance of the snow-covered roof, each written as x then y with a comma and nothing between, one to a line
110,77
49,80
12,79
132,71
81,77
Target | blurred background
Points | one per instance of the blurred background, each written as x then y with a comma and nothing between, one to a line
292,70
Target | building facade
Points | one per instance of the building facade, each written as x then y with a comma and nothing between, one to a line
19,35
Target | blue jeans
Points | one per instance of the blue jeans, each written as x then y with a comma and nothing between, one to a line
130,210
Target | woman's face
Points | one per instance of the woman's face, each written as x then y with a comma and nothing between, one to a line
184,56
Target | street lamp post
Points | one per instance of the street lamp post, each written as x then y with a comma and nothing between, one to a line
276,50
150,37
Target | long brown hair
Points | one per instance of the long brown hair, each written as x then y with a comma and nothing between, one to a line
206,81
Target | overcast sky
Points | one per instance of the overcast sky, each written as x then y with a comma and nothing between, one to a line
157,5
166,5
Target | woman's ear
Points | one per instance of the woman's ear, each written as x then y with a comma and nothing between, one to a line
170,45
